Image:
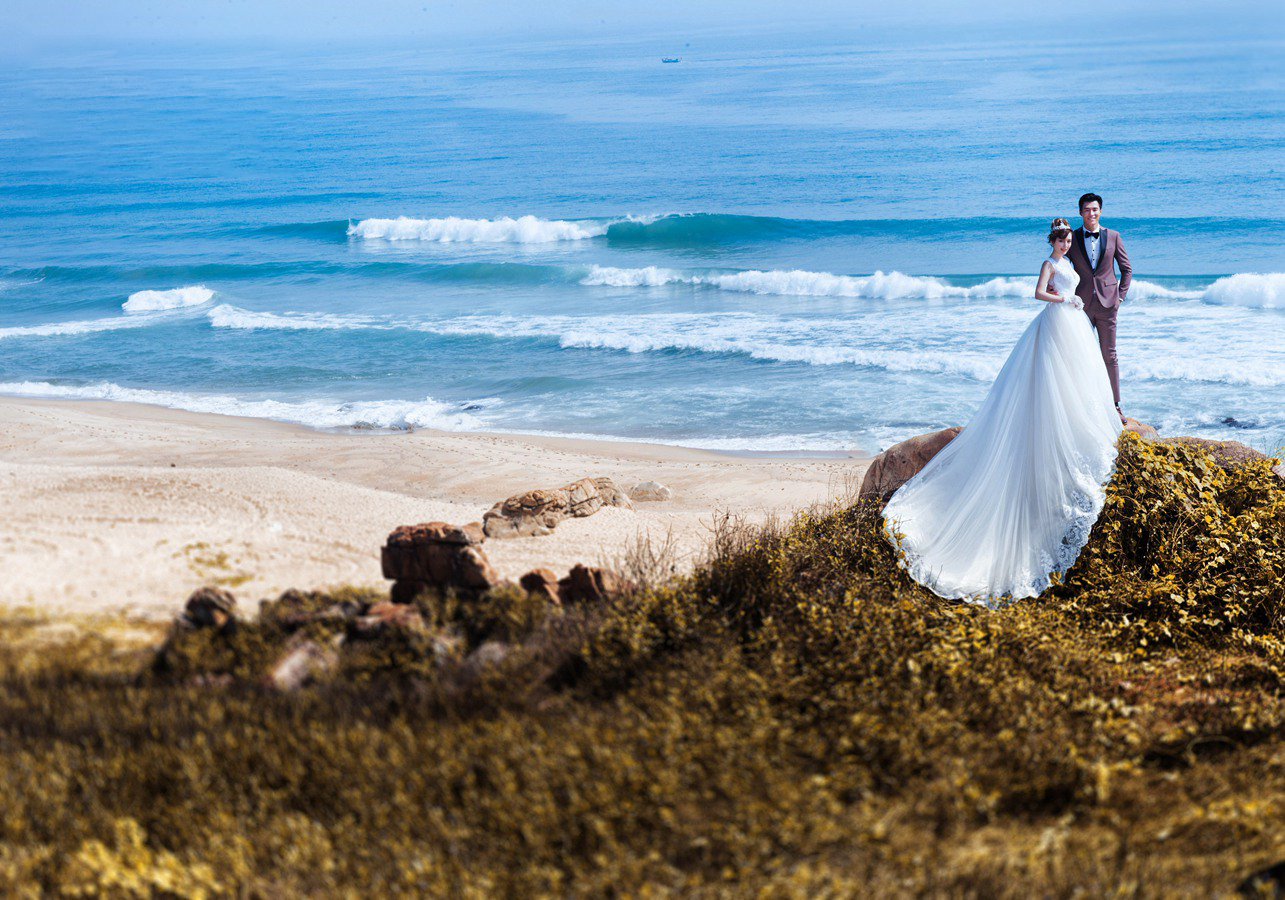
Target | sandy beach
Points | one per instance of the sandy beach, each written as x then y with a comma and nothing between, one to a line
124,508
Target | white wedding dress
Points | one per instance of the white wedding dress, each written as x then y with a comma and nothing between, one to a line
1014,496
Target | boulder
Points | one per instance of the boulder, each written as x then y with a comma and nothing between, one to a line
1227,454
537,512
436,555
612,495
541,583
209,607
650,492
1141,429
899,463
588,584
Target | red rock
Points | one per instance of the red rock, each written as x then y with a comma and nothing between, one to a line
588,584
899,463
473,570
436,555
541,583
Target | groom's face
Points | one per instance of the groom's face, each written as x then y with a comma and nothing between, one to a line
1089,212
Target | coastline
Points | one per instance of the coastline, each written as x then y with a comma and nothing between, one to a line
125,508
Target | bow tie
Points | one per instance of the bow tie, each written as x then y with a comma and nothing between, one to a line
1092,234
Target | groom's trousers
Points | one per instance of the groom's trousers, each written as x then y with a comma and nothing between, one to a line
1103,320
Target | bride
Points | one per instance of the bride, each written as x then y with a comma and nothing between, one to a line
1012,499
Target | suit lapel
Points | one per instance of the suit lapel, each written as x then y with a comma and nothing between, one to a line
1079,240
1102,248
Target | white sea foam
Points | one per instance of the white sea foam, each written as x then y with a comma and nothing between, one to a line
801,283
1147,290
84,326
426,413
818,342
226,316
154,301
505,230
1251,290
1265,291
650,276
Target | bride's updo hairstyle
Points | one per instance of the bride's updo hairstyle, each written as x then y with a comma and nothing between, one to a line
1059,229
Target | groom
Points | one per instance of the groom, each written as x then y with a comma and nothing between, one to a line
1095,253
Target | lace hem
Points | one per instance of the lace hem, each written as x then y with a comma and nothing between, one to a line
1081,509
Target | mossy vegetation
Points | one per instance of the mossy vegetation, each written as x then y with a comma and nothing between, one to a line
797,718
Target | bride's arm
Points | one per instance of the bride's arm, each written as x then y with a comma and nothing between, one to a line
1042,289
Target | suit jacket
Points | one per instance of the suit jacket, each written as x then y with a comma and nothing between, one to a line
1101,284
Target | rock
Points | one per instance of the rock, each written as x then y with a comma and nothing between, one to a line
525,515
473,570
541,583
1141,429
1227,454
1280,471
385,617
650,492
302,662
436,555
442,533
583,498
537,512
899,463
612,495
587,584
209,607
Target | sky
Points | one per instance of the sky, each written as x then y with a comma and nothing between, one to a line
48,23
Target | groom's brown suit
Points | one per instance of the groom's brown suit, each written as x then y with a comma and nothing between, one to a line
1102,293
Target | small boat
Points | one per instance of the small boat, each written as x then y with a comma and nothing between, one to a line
671,59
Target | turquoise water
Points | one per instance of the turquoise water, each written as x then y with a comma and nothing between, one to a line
769,246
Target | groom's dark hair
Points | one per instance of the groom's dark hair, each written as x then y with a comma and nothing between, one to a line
1089,198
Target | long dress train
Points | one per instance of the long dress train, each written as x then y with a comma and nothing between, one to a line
1014,496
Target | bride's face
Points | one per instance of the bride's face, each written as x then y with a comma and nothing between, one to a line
1063,244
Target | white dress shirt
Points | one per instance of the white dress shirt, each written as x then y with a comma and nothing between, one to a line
1092,245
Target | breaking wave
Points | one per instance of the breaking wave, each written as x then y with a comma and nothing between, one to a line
153,301
505,230
382,414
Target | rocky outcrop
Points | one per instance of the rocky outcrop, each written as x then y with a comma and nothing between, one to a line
541,583
1227,454
650,492
208,607
435,555
539,511
583,584
1141,429
589,584
899,463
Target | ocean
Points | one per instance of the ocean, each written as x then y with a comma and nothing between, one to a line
777,245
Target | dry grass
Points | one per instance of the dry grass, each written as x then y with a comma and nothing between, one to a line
794,719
